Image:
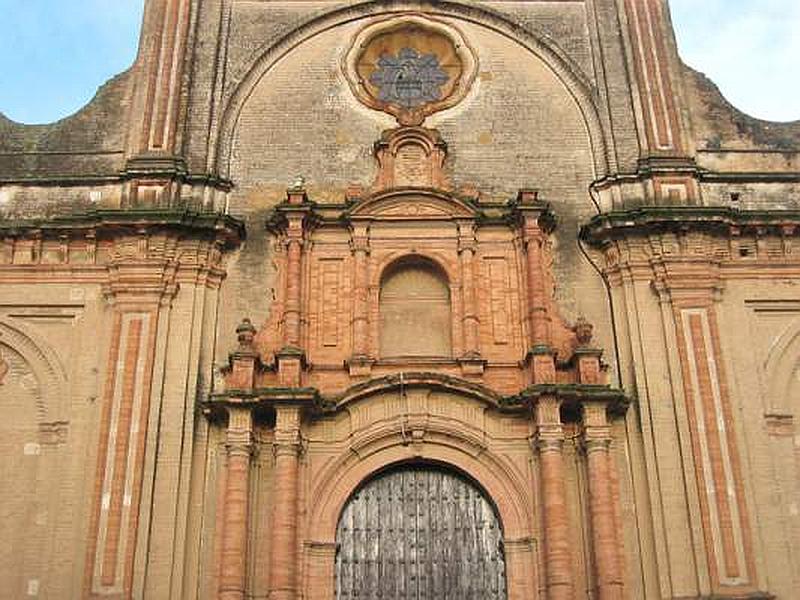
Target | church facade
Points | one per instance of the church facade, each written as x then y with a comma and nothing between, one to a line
375,299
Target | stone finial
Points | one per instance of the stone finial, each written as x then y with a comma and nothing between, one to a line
296,194
583,331
246,333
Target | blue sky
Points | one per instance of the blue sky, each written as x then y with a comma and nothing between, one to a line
55,53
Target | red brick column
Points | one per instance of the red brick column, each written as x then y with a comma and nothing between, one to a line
239,446
283,551
537,307
558,557
470,307
360,244
597,442
291,325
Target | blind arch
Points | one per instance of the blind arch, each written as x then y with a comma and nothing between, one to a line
415,310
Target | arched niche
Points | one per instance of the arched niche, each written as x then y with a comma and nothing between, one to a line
782,371
33,389
415,310
41,364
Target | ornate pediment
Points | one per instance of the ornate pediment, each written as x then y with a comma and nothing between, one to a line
412,204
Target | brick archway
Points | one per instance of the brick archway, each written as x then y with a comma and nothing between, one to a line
444,446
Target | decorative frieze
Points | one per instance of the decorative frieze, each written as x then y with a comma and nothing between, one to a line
716,233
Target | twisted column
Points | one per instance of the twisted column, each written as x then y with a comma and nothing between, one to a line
239,447
558,558
597,443
283,551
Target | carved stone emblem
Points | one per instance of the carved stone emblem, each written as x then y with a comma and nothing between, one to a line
409,78
410,66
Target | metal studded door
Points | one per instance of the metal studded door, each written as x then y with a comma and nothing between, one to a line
419,532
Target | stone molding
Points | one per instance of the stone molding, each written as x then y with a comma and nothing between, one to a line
138,256
693,248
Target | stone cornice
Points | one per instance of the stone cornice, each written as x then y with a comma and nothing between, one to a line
717,220
453,206
259,399
573,394
110,222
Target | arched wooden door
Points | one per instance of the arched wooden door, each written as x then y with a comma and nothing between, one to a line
419,532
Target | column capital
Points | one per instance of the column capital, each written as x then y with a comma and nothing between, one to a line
287,438
239,435
549,443
598,444
547,410
595,413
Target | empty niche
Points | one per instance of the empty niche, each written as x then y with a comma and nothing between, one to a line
415,317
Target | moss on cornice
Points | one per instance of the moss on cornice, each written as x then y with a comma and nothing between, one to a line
658,219
191,222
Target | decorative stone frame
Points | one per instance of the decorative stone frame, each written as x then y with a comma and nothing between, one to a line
416,115
383,447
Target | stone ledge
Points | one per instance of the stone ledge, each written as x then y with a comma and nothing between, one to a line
109,219
710,219
573,393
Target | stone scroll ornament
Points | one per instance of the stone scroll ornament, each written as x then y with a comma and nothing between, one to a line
410,66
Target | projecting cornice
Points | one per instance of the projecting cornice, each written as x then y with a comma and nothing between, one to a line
112,222
716,220
132,253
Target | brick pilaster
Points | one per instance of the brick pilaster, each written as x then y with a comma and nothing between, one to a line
361,362
605,544
558,556
283,549
233,559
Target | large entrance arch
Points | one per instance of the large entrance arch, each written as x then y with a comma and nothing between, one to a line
419,531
